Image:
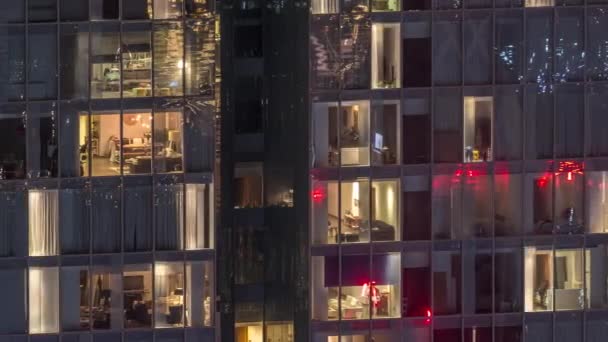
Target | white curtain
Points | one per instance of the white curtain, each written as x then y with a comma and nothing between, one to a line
43,222
325,6
199,214
198,293
43,300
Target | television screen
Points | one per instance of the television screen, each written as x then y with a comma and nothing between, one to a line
133,283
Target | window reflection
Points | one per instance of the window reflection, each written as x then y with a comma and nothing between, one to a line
199,293
105,61
168,42
167,9
136,61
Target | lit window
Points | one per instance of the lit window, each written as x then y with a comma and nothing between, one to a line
199,293
168,40
167,9
106,289
477,128
540,3
43,222
385,128
354,133
386,5
248,185
105,61
384,224
169,294
386,52
168,141
137,295
354,212
325,6
199,216
596,201
43,300
136,61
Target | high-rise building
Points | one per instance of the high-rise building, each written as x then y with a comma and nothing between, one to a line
107,153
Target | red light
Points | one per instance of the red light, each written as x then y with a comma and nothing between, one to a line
370,290
429,315
571,168
318,195
470,173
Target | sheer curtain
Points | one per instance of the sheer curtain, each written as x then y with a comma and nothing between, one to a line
43,222
169,217
43,300
199,216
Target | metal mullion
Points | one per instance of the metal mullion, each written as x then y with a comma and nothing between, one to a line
431,249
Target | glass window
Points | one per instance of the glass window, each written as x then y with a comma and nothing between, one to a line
354,211
416,208
42,62
538,279
137,295
354,128
355,49
13,317
596,202
168,144
106,216
104,143
507,329
416,283
167,9
386,55
106,288
507,203
324,196
447,136
200,301
477,275
42,10
509,47
538,203
200,60
447,206
105,61
137,199
73,61
248,185
477,128
447,329
200,227
539,44
75,298
538,328
43,300
569,121
198,8
508,126
168,39
354,6
540,3
104,9
384,288
12,150
169,213
478,50
417,62
569,289
596,327
597,62
73,10
447,280
325,6
199,135
596,276
597,105
12,68
12,11
325,287
386,5
385,211
136,142
73,139
325,122
385,124
74,217
42,140
325,47
13,222
477,329
447,49
136,60
539,117
570,45
569,187
416,130
137,9
43,222
169,294
569,327
508,276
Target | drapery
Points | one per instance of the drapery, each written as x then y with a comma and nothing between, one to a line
43,222
169,217
43,300
75,221
138,218
106,227
197,217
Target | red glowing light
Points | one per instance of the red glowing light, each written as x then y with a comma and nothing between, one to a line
429,315
570,168
541,182
318,195
370,290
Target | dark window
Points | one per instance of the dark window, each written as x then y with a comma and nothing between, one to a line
74,61
42,10
417,62
12,141
478,48
12,11
74,217
248,41
447,137
509,47
42,62
42,140
136,9
539,122
416,283
569,121
597,139
73,10
12,63
447,49
104,9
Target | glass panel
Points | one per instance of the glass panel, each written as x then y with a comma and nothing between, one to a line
199,8
569,187
569,292
325,123
74,219
324,196
12,66
42,140
136,61
570,47
42,62
386,55
354,6
105,144
248,185
73,61
478,48
199,293
416,284
12,150
539,116
538,203
508,276
596,327
14,286
386,5
137,295
73,140
168,63
106,286
43,222
540,3
106,209
416,208
354,130
13,223
169,294
168,144
104,9
447,330
136,141
200,52
137,9
539,43
355,50
597,61
447,144
596,202
138,200
167,9
73,10
358,290
477,128
597,105
416,130
569,121
354,211
538,279
508,126
447,206
507,204
384,290
75,298
596,276
385,211
12,11
477,275
42,10
325,51
447,50
385,132
417,62
509,47
538,328
324,305
43,300
169,206
447,279
200,228
199,135
105,61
